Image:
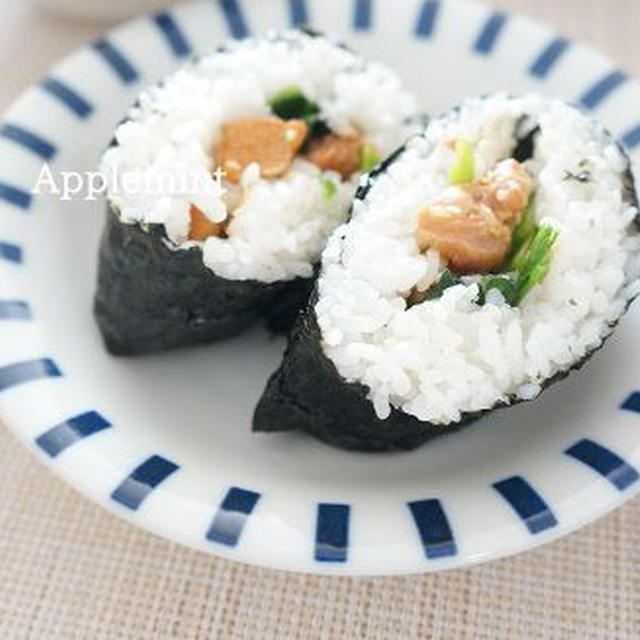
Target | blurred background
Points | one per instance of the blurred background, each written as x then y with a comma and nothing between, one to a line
35,33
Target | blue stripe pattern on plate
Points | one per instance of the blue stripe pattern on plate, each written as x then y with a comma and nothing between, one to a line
117,61
591,98
69,97
434,529
332,532
549,57
490,33
54,441
299,13
30,141
10,252
235,18
173,34
605,462
527,503
14,196
632,403
13,375
142,481
425,26
15,310
362,15
232,515
631,138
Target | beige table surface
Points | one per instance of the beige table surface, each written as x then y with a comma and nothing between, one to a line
70,570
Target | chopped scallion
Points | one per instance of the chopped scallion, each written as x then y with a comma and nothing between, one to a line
291,103
369,157
506,285
329,188
523,233
536,260
446,281
462,170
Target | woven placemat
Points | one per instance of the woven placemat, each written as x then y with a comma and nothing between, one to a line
70,570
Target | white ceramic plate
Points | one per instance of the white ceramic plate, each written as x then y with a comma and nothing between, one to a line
165,441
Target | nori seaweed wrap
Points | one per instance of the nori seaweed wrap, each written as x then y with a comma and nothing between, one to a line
139,312
428,313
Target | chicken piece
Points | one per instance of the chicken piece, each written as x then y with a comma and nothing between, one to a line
471,242
202,228
269,141
506,190
341,154
471,226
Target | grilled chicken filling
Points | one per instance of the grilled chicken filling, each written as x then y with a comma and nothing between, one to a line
471,225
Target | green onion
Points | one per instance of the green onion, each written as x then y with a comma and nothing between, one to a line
291,103
506,285
534,264
524,232
530,266
369,157
447,280
329,188
462,170
518,261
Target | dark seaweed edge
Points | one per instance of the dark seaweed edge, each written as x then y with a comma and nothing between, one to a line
307,392
151,296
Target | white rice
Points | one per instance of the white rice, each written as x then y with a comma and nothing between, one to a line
442,358
284,223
